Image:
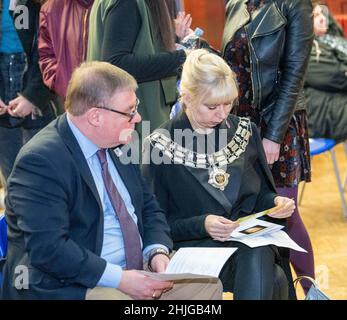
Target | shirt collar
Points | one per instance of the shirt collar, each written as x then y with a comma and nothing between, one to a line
88,148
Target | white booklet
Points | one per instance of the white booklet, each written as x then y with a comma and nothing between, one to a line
191,263
277,238
257,233
254,228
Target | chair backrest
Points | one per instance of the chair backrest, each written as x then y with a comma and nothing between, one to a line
320,145
3,237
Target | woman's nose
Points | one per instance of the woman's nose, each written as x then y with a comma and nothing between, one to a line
221,111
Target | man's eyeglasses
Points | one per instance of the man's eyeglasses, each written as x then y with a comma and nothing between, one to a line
130,115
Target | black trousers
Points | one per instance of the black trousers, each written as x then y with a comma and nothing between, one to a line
261,273
254,274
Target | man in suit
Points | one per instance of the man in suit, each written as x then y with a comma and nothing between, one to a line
80,222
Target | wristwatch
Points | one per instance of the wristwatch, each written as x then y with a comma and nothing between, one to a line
154,253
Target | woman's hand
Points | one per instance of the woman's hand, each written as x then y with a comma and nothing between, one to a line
286,208
219,228
3,107
182,25
272,150
20,107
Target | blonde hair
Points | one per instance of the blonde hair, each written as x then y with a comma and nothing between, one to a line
93,83
207,77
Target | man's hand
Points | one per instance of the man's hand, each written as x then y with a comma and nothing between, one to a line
140,287
272,150
286,208
3,107
20,107
219,228
159,263
182,25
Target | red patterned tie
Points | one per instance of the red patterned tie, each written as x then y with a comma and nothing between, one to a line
131,236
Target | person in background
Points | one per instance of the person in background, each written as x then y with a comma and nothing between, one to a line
26,104
334,28
80,220
63,40
267,43
207,169
144,45
326,82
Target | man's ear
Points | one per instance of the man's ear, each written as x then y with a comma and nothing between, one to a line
94,117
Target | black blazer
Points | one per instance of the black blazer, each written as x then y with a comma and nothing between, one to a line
55,218
187,198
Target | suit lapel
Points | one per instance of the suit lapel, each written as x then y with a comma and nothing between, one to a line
73,146
202,177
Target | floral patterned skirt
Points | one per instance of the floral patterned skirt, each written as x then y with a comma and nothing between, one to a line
294,163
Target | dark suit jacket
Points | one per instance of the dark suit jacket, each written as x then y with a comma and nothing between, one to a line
55,218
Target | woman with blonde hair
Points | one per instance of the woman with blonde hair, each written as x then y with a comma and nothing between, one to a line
208,169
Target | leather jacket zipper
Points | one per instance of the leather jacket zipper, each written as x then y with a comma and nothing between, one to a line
251,49
258,76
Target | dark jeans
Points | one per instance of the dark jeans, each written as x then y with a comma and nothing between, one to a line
12,69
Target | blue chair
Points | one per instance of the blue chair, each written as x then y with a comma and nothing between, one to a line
319,146
3,242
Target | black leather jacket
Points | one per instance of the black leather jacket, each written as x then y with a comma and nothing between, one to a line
281,35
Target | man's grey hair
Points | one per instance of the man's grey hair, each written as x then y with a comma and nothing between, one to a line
93,83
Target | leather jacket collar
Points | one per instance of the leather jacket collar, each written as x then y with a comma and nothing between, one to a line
263,25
